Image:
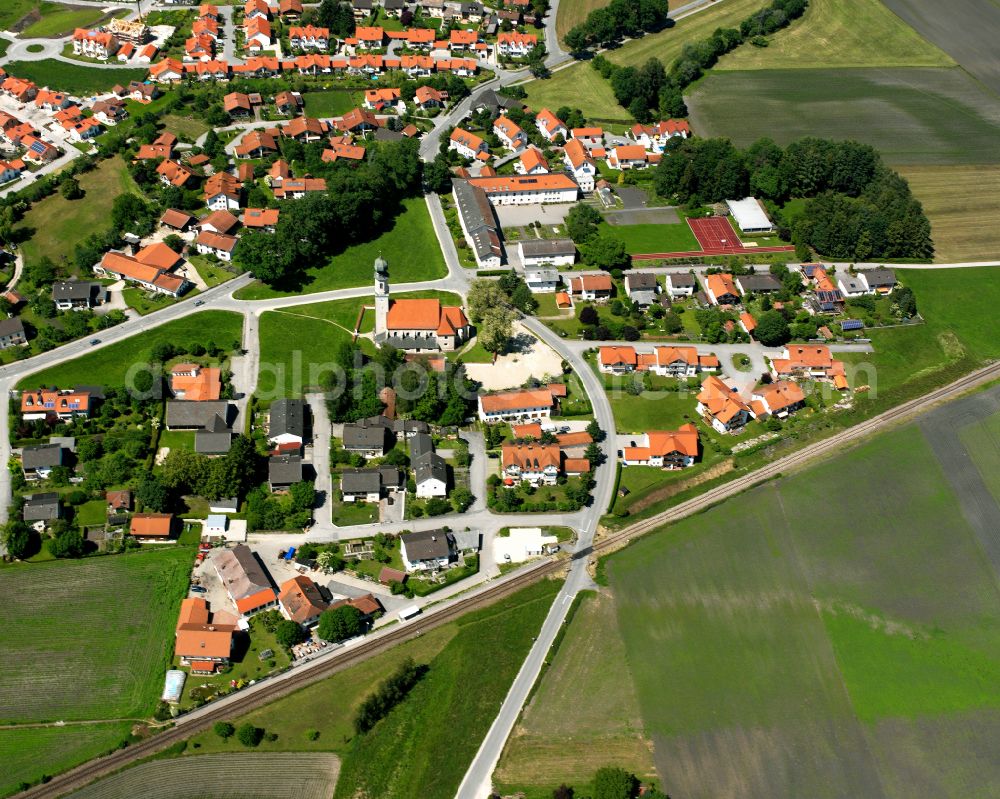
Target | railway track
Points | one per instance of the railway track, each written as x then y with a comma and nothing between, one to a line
88,772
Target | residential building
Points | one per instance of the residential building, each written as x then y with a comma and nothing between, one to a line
517,406
12,333
642,288
367,438
222,192
427,550
217,244
245,579
532,462
152,268
510,133
309,37
676,361
589,137
526,189
41,508
287,422
237,104
750,215
591,287
655,137
177,220
807,360
468,145
416,324
283,471
667,449
426,97
540,280
174,174
203,640
369,485
152,526
748,323
297,188
218,222
257,32
300,600
255,144
881,281
721,406
76,295
37,462
630,156
265,219
549,125
851,286
721,289
429,469
681,284
617,360
515,45
779,399
494,102
581,165
532,162
195,383
94,43
64,404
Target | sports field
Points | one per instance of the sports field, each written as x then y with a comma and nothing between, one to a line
963,204
796,641
410,247
238,775
652,237
898,111
110,364
559,734
841,33
90,639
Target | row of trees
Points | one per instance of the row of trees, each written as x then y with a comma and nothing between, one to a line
389,693
597,249
615,21
859,208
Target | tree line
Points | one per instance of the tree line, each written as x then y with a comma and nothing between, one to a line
389,693
655,91
618,20
857,209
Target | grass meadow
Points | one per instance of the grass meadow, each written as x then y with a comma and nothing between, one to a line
58,20
840,33
332,103
410,246
73,78
963,204
110,365
297,344
646,238
32,753
90,639
558,735
898,111
51,227
796,640
247,775
578,86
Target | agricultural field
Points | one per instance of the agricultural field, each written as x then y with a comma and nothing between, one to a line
110,365
423,747
982,441
840,34
51,227
73,78
963,204
297,344
108,658
410,246
559,734
966,30
802,625
898,111
239,775
31,753
56,19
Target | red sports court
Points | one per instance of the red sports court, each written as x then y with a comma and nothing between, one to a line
716,236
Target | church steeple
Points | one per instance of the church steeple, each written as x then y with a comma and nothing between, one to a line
381,296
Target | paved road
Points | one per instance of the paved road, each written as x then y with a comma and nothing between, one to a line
321,456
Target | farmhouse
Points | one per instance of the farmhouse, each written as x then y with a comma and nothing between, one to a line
427,550
203,639
244,579
750,215
517,406
301,601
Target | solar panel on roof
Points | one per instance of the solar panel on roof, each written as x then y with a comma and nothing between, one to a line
852,324
829,296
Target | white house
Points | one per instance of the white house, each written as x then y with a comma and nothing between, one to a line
541,281
581,164
467,144
550,126
510,133
681,284
546,252
427,550
535,405
521,544
218,244
527,189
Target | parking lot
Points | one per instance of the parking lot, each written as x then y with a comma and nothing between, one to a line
524,215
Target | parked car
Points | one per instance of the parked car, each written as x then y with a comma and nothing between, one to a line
94,341
197,589
199,303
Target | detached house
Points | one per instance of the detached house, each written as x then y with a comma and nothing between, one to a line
779,399
468,145
550,126
203,640
218,244
517,406
222,192
510,133
721,289
591,287
668,449
99,44
301,601
534,463
64,404
655,137
580,164
427,550
721,406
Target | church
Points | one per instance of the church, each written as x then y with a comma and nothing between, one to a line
416,325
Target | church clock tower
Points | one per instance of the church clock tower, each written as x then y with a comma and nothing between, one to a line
381,298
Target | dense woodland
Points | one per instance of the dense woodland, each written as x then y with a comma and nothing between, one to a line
857,207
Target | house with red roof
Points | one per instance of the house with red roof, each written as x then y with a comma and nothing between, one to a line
467,144
550,126
245,580
666,449
722,407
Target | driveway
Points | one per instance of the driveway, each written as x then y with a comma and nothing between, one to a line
477,468
321,456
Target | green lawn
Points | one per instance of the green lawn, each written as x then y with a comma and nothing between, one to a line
331,103
145,302
651,410
212,274
30,754
296,344
410,247
106,662
653,238
110,364
840,33
176,439
73,78
58,20
92,513
897,111
807,617
185,127
52,226
578,86
346,514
